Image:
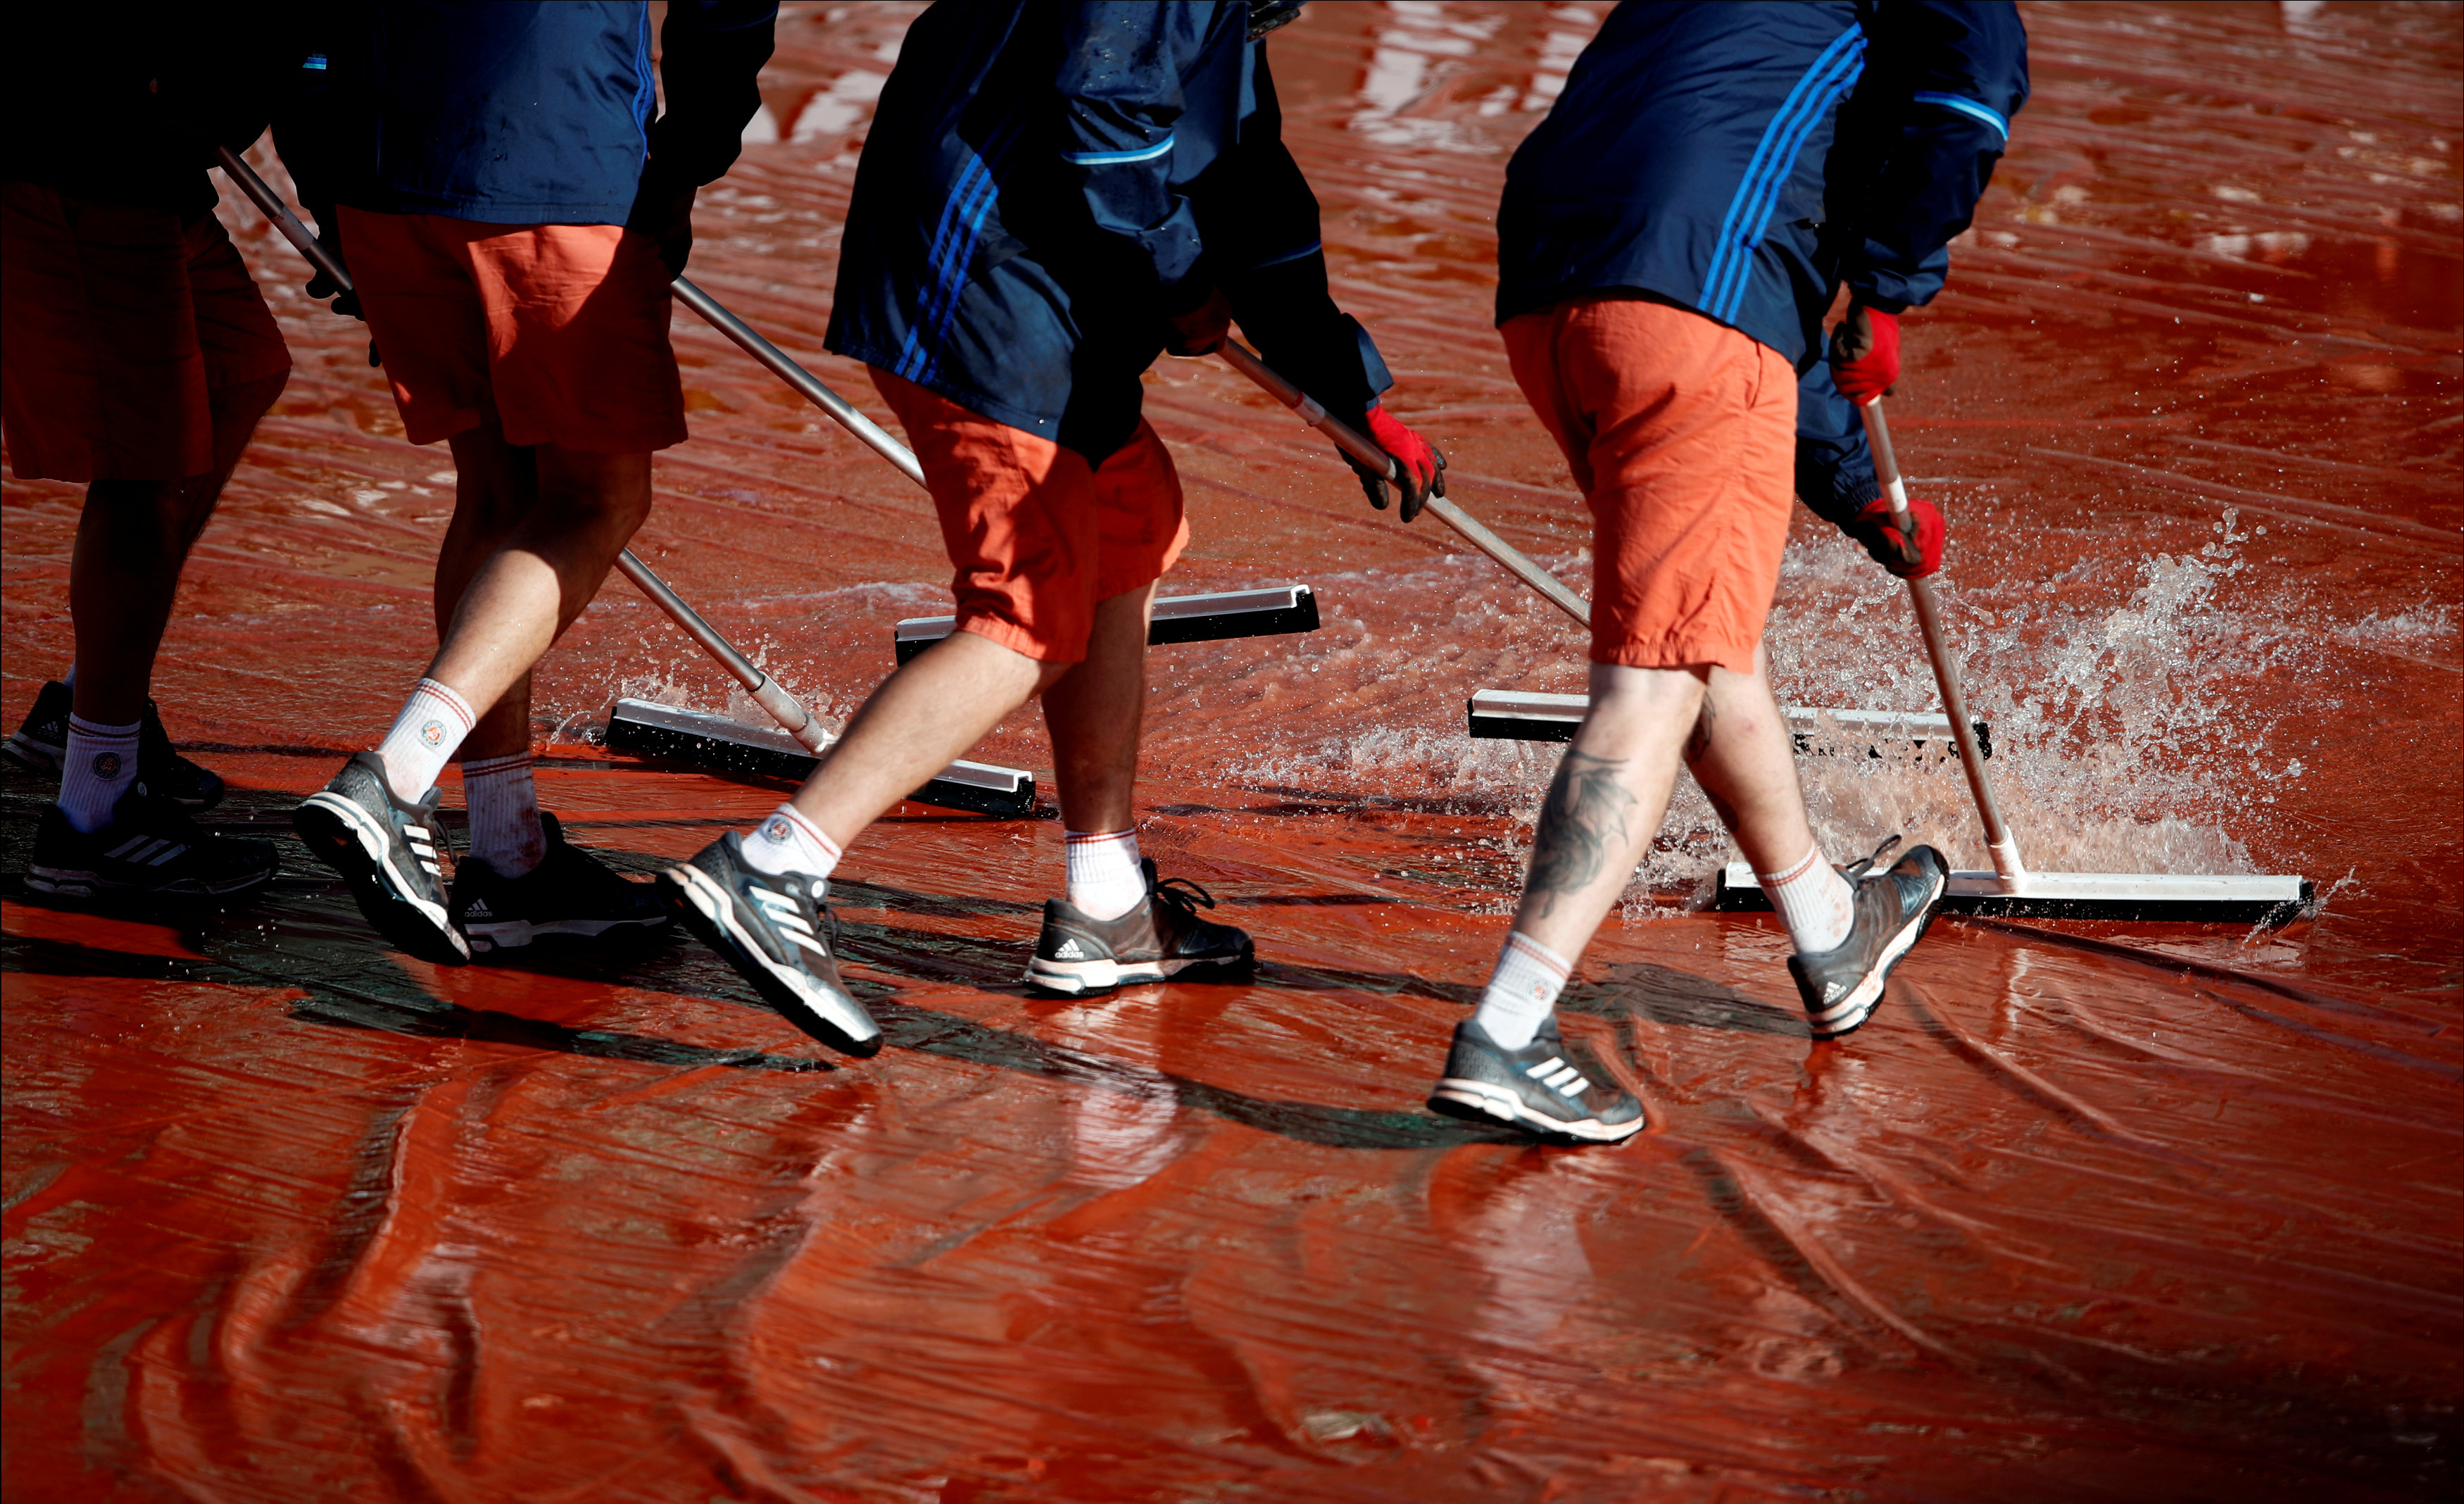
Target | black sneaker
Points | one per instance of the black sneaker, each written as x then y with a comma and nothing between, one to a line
1161,939
778,936
1543,1088
568,893
387,851
41,744
151,849
1841,987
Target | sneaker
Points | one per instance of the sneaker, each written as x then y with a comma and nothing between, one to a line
1841,987
387,851
1161,939
568,893
41,744
151,849
778,934
1543,1088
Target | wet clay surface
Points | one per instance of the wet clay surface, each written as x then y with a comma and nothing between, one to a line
2087,1212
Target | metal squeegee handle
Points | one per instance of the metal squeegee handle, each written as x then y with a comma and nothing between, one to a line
758,683
1354,444
1998,840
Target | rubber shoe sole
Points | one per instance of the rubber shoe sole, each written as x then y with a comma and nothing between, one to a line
69,882
709,911
1103,974
1480,1102
348,839
514,934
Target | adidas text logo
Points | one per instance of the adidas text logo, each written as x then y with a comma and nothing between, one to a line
1831,991
1070,950
478,908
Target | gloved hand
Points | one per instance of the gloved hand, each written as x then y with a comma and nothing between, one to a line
1203,331
1873,528
665,217
1422,469
329,234
1865,353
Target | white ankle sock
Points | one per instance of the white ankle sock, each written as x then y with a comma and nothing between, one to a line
1818,905
1522,992
505,829
99,765
1104,879
424,739
789,843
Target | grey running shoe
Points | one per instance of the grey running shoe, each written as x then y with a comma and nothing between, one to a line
151,850
1543,1088
1841,987
778,934
568,893
1161,939
388,851
41,744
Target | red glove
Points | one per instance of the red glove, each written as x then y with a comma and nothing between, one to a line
1422,469
1865,353
1203,331
1873,528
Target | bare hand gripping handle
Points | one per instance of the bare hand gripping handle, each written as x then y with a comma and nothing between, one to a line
1353,443
1998,840
766,692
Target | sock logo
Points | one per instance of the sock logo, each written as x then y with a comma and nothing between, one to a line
774,830
433,733
106,764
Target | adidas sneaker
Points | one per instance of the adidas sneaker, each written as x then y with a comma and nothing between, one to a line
1841,987
568,893
778,934
1161,939
1543,1088
388,851
151,849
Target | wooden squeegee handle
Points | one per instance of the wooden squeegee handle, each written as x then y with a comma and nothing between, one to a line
1353,443
1998,840
765,690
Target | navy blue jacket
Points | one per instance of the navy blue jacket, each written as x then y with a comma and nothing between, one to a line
1745,160
524,112
1043,185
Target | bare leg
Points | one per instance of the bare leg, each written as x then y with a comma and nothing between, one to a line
521,598
1607,800
1093,715
932,709
133,540
1743,756
495,486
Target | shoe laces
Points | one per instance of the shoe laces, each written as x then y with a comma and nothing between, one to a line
1856,871
1184,896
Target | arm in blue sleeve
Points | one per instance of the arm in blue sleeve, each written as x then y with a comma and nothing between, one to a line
1261,224
712,53
1120,91
1835,470
1949,78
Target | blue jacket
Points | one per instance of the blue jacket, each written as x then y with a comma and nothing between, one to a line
1745,160
1045,184
523,111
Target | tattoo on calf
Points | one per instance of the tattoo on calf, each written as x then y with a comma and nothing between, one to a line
1583,823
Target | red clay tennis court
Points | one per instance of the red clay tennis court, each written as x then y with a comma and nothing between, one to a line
2090,1211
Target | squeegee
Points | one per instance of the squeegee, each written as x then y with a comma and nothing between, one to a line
2011,888
1518,715
693,736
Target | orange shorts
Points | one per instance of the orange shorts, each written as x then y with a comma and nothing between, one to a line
557,332
121,331
1682,435
1037,536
